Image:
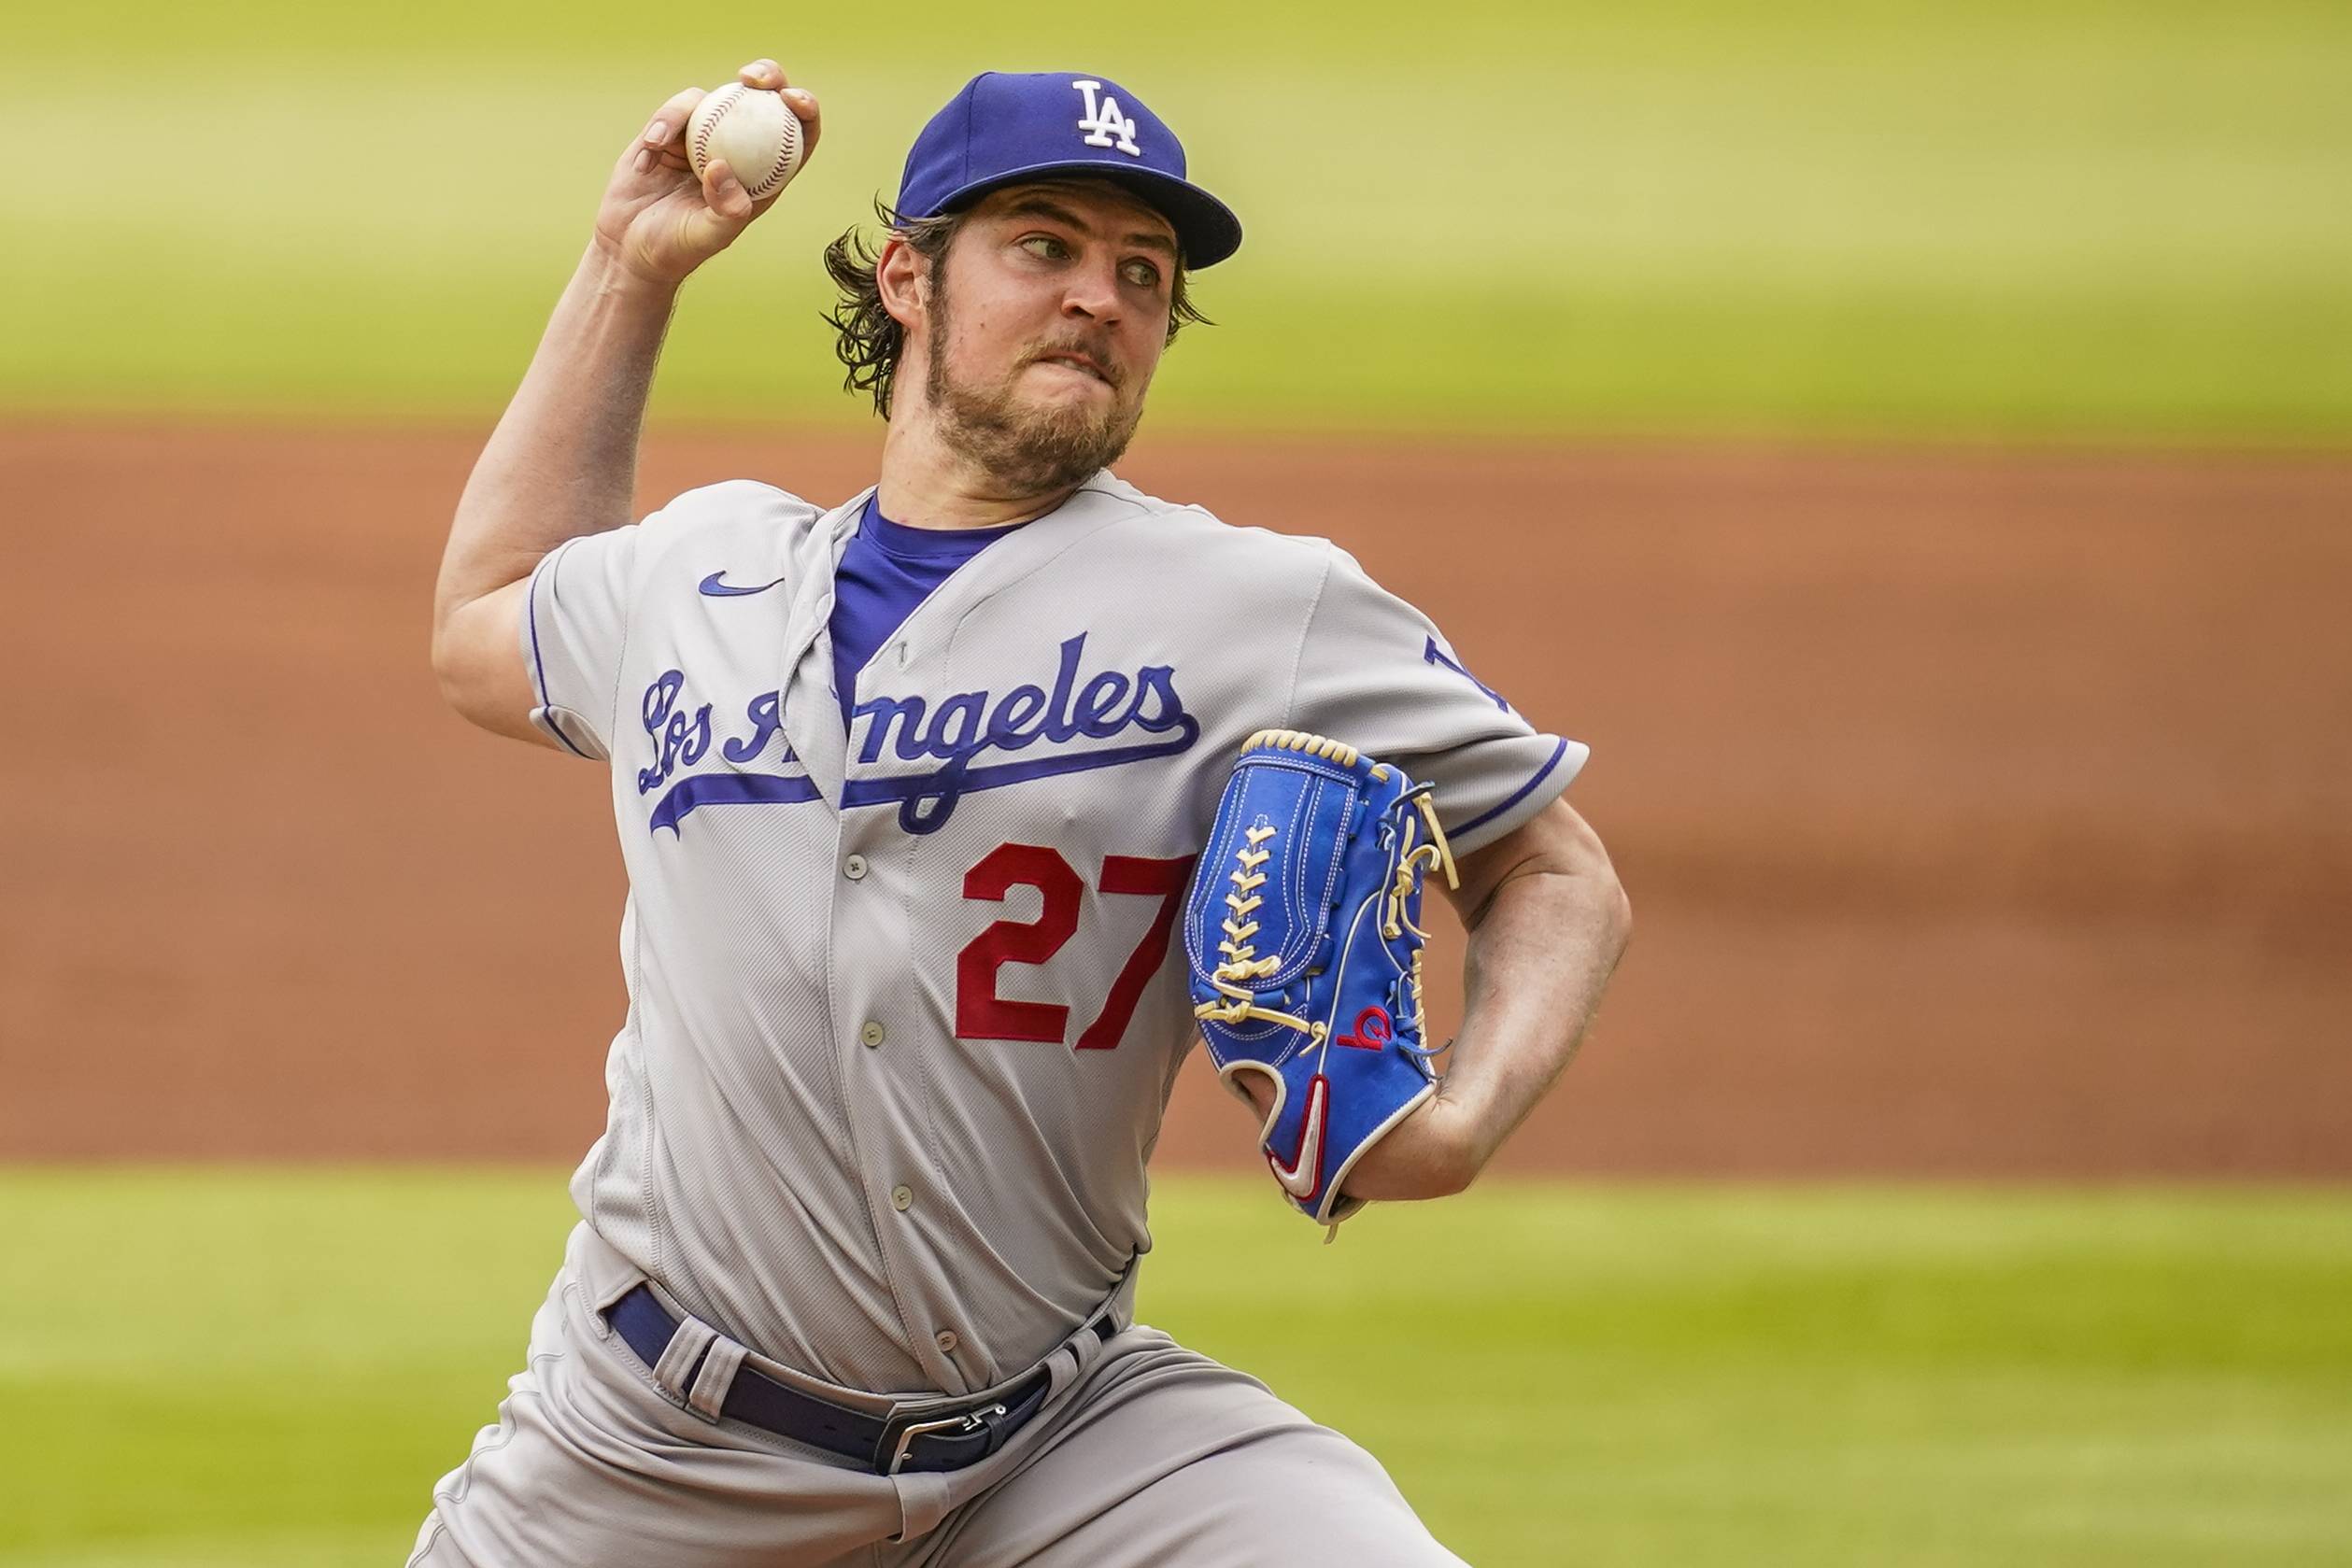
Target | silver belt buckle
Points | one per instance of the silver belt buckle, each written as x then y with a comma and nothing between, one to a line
970,1421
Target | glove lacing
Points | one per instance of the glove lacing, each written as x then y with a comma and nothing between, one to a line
1432,853
1241,964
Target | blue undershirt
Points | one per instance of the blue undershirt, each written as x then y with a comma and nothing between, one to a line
886,572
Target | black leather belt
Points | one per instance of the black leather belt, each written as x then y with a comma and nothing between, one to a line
942,1437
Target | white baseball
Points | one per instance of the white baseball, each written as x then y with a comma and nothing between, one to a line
754,130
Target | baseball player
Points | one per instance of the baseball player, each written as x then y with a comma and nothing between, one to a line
909,791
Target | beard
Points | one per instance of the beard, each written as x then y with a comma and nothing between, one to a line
1031,450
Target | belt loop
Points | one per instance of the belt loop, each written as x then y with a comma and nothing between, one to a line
709,1394
1120,1303
678,1359
922,1504
604,1295
606,1273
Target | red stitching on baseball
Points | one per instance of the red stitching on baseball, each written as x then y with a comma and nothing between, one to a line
728,97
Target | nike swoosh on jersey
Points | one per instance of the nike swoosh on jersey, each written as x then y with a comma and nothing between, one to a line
718,590
1305,1171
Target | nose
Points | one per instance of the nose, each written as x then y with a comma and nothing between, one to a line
1092,293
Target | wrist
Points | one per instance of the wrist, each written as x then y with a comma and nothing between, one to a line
1469,1140
1418,1159
613,280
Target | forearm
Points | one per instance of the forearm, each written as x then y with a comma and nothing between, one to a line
563,459
1547,920
1532,981
563,462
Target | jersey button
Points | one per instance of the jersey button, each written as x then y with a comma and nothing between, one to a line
902,1197
871,1033
855,867
947,1341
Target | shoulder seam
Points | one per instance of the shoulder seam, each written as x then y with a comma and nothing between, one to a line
620,650
666,510
1299,654
1092,489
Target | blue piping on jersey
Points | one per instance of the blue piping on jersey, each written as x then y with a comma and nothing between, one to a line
729,789
1517,794
538,663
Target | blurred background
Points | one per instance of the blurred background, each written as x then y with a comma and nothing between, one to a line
1911,445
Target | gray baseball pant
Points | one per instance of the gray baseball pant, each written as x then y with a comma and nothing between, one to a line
1145,1454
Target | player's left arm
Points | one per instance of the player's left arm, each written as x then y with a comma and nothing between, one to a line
1546,916
1547,919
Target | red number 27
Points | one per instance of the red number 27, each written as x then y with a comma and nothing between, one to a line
981,1014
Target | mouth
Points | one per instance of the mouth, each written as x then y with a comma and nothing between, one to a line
1084,363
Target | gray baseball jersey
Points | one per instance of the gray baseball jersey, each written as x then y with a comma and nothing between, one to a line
904,1012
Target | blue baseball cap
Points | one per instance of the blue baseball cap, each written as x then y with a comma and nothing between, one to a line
1005,127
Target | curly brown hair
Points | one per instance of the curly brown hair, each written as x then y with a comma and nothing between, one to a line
870,339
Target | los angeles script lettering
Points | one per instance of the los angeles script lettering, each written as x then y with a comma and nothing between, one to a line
956,731
964,726
682,741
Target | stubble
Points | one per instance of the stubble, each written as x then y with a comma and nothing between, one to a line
1031,450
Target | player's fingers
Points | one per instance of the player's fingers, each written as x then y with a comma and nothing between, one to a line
769,76
724,193
804,103
665,130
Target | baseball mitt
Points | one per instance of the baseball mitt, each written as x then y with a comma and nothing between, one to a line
1302,931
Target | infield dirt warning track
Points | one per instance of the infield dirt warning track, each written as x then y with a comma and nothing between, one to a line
1984,813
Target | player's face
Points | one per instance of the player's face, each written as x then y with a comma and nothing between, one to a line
1046,323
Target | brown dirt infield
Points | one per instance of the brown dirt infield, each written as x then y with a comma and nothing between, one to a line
1984,813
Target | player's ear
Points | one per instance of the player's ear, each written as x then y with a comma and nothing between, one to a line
902,277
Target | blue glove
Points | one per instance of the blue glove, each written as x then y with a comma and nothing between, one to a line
1302,931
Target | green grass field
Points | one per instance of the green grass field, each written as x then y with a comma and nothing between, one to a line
2086,218
214,1367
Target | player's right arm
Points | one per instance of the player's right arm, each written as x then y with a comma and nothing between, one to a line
562,462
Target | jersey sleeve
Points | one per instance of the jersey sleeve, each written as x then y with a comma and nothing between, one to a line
575,623
588,595
1376,673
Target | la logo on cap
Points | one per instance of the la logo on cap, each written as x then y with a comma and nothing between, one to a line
1106,126
1009,126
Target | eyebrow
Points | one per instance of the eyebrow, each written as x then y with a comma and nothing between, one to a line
1041,206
